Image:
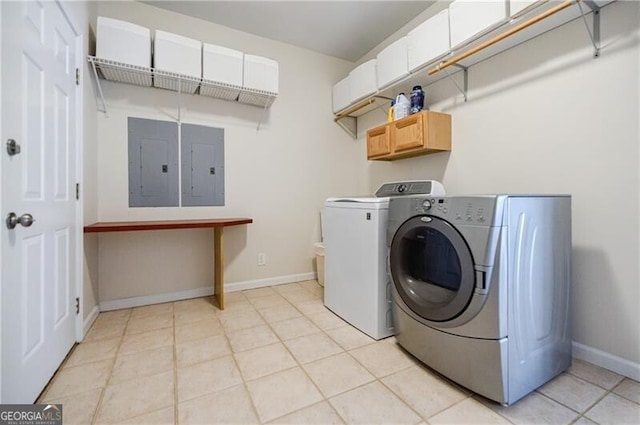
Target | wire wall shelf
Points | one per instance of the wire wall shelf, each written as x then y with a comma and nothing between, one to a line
150,77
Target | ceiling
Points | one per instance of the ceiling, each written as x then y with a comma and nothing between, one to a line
343,29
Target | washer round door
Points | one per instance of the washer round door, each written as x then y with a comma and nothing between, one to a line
432,268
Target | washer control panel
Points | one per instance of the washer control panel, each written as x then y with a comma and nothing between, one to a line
417,187
477,210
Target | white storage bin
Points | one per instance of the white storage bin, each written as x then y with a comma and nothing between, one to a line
518,7
362,81
260,73
391,63
177,54
341,96
124,42
469,18
429,41
221,65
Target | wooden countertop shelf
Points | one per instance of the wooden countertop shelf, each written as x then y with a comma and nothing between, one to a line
218,225
129,226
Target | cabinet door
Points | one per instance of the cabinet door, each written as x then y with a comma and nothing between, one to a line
407,133
378,143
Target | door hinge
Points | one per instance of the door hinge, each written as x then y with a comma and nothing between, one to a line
77,305
77,76
77,191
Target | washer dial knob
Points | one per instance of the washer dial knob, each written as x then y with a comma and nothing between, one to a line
426,204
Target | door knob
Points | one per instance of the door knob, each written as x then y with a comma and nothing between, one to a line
13,220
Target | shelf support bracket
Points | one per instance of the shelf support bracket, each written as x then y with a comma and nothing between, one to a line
465,72
262,117
350,125
595,35
95,74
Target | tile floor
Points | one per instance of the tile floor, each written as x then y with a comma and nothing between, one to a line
276,355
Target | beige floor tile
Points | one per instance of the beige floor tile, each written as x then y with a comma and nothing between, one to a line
233,297
312,307
615,410
596,375
247,339
193,304
310,285
113,317
80,379
207,377
152,310
424,392
241,320
230,406
573,392
382,359
198,330
294,328
629,389
136,397
269,301
312,347
318,414
201,350
149,323
349,337
279,313
282,393
373,404
78,409
164,416
146,363
337,374
468,412
186,317
327,320
584,421
87,352
231,307
536,409
147,341
264,361
299,296
252,294
105,330
287,287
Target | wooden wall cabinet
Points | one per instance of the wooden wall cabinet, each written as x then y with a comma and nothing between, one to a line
418,134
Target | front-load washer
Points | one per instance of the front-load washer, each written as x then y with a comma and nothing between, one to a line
481,288
355,283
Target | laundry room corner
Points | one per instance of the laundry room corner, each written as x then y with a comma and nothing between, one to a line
546,117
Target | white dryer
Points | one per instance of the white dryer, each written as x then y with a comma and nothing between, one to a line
356,287
481,288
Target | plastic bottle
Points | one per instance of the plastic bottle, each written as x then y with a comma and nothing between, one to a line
402,106
390,113
417,99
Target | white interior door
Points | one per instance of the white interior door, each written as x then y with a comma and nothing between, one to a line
38,262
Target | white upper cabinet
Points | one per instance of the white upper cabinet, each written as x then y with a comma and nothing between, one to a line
469,18
362,81
391,63
428,41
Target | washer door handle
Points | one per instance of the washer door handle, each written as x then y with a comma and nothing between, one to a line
426,219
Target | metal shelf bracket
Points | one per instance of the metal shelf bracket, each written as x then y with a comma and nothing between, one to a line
595,35
350,125
95,74
465,72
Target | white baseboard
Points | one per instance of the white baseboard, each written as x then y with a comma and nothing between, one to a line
88,321
201,292
260,283
606,360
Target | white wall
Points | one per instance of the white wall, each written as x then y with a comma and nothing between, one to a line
546,117
278,176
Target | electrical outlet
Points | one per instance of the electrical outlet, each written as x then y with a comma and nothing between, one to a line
262,259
